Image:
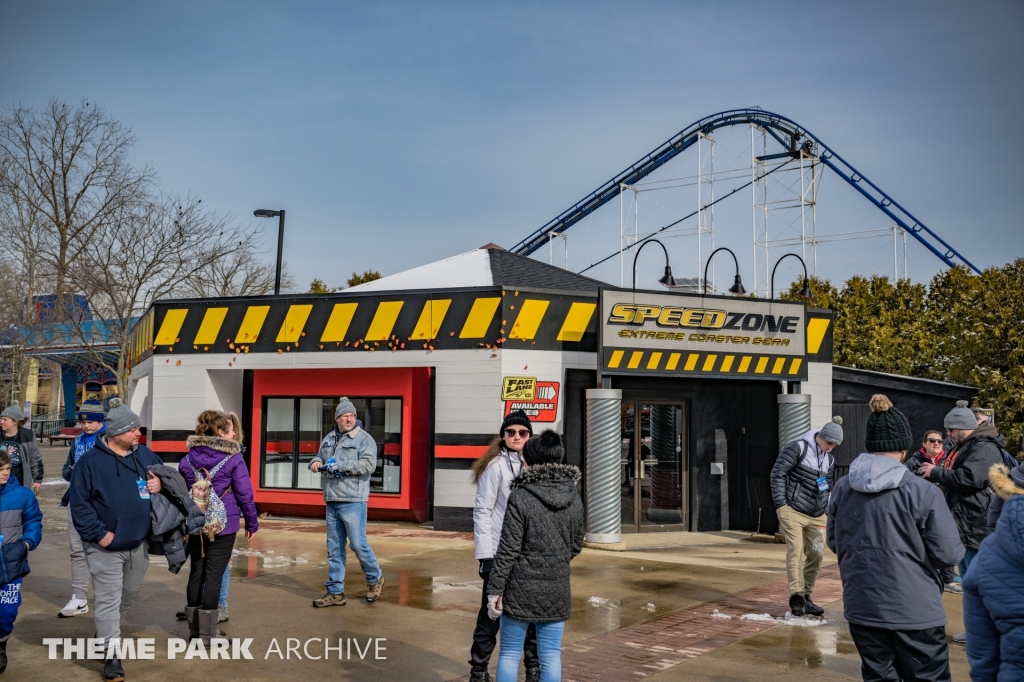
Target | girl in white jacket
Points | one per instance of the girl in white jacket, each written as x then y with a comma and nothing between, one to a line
493,473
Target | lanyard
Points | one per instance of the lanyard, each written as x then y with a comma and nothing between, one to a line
514,473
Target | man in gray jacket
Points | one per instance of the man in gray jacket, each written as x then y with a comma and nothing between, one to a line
347,457
892,532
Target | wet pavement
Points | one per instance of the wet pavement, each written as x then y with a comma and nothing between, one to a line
644,612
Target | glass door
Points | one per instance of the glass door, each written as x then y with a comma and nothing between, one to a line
654,482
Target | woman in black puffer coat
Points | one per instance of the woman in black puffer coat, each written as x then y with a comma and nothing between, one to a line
541,534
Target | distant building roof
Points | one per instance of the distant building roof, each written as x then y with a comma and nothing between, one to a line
487,266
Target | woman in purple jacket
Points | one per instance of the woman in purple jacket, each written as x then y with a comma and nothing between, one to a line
215,451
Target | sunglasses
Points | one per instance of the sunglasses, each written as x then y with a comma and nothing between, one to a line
512,433
934,440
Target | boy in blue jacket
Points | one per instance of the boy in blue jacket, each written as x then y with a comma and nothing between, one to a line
21,529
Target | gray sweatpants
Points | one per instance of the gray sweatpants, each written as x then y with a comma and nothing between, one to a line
116,579
79,567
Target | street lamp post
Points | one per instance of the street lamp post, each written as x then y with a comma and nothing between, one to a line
667,279
805,290
737,287
267,213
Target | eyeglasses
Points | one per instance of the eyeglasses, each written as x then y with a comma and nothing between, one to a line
934,440
512,433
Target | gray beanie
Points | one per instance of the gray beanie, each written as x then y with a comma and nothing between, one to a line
120,419
13,412
832,432
960,417
344,407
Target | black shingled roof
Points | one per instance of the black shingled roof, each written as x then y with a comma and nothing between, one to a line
511,270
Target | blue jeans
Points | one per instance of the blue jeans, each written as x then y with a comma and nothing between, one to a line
549,649
347,520
965,563
222,602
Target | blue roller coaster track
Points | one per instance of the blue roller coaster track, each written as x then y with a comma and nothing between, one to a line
792,136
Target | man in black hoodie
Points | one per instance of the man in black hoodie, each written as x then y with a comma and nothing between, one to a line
110,507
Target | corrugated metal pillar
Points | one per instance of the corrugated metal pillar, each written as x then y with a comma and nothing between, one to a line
604,446
794,417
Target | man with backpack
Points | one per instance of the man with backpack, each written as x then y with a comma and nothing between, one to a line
110,507
801,480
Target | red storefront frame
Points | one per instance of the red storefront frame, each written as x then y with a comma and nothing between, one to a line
412,384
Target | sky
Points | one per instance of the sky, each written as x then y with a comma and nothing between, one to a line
395,134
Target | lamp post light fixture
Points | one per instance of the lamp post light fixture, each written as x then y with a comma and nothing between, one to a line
805,290
667,280
267,213
737,287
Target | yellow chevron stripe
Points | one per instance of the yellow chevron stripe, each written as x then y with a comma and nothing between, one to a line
576,321
634,359
337,324
709,363
816,329
761,364
744,364
777,367
616,358
795,367
210,327
654,361
431,319
529,319
727,363
169,328
691,362
294,321
673,361
479,318
384,320
252,323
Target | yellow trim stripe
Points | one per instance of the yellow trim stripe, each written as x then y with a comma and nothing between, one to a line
337,324
431,319
795,367
691,362
709,363
294,321
777,367
816,328
654,361
616,358
727,363
673,361
210,327
634,359
576,321
169,328
761,364
479,318
252,323
744,364
529,319
384,320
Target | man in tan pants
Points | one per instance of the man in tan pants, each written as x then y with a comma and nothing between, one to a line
801,480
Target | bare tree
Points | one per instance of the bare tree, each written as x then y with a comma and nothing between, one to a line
146,252
68,167
239,273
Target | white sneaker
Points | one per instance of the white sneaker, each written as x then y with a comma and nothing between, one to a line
75,607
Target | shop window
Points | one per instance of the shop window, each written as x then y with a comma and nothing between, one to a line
287,450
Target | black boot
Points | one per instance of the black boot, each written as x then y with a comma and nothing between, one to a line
3,656
112,671
479,676
182,615
796,604
533,674
812,609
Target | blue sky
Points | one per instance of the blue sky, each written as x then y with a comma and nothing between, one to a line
399,133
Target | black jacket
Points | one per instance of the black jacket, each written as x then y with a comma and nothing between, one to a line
173,517
795,475
917,458
966,484
542,532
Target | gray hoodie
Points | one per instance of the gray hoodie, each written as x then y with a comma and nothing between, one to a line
891,532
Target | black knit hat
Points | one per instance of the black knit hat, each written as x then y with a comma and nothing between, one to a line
518,417
888,429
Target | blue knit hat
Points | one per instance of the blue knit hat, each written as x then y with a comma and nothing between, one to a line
91,410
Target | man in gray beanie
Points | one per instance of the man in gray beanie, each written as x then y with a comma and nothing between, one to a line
347,457
801,480
22,447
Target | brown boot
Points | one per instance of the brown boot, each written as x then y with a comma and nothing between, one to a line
373,590
192,618
208,626
330,599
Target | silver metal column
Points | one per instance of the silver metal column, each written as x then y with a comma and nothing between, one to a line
794,416
604,470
